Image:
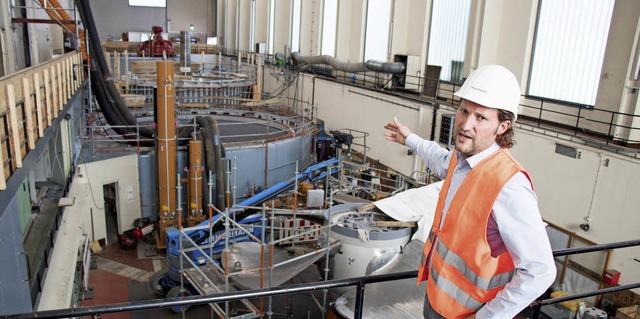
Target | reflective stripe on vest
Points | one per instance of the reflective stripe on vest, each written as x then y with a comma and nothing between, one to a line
452,290
458,263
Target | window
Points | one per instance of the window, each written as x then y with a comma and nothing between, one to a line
148,3
376,45
448,37
295,25
329,27
272,25
568,49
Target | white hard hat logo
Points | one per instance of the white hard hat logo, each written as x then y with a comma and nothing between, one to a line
481,90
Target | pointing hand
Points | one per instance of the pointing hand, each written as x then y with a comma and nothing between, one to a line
399,131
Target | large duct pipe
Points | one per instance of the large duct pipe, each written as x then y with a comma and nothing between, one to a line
371,65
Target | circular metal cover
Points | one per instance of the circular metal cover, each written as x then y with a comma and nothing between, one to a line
348,222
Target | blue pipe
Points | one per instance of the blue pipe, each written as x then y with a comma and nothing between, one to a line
308,174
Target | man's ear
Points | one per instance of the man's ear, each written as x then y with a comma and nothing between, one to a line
503,127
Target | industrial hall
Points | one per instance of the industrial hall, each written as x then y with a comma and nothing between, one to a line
329,159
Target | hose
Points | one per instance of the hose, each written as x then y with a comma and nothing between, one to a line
219,164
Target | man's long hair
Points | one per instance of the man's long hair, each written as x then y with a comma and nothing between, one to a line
505,140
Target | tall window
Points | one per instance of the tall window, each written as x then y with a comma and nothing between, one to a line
295,25
272,25
376,43
448,37
329,27
568,51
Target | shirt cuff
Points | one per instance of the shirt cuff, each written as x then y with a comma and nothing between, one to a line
484,313
412,141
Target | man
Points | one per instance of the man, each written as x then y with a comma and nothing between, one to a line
488,254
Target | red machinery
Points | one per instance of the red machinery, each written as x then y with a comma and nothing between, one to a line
143,227
156,45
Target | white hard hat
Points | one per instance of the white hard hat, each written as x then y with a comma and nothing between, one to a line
492,86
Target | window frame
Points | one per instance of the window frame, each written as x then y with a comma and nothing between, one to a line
388,29
271,27
540,97
447,74
295,35
324,29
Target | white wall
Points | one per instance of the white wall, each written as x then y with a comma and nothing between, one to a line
283,26
262,21
350,34
410,28
200,13
114,17
310,28
245,26
90,197
600,185
230,15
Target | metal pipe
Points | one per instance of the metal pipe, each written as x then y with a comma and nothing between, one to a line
194,208
582,250
587,294
371,65
357,314
295,206
185,52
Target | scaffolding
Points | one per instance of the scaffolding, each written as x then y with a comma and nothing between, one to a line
275,265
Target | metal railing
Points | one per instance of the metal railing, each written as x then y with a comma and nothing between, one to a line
609,127
359,282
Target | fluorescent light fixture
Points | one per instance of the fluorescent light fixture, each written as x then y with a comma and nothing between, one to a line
148,3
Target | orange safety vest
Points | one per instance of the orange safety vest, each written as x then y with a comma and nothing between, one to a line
463,274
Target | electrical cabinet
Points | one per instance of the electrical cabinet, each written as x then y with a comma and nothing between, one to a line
446,129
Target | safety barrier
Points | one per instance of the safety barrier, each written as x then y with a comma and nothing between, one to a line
359,282
29,101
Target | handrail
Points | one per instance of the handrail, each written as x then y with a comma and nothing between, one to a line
360,282
29,102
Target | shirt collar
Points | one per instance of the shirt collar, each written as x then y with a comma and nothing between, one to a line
475,159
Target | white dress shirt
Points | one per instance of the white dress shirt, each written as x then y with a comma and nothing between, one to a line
515,225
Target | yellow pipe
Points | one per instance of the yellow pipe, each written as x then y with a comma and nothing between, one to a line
166,149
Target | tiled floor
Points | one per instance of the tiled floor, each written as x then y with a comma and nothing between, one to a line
120,276
117,269
127,257
108,288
